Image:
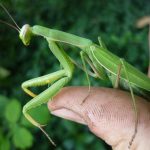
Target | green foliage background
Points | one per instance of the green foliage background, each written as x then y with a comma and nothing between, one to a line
113,20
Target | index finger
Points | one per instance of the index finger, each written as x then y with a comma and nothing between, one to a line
107,112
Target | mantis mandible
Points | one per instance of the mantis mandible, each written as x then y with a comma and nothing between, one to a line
105,65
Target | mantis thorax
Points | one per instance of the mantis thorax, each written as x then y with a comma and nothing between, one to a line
25,34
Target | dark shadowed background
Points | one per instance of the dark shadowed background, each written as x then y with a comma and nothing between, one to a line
113,20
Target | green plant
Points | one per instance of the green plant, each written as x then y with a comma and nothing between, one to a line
14,130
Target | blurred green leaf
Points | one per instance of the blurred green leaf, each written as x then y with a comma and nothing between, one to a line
4,144
25,122
4,73
89,139
22,138
69,144
3,103
1,135
13,111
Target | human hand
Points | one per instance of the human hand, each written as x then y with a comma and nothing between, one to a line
107,112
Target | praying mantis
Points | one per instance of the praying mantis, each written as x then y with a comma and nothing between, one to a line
104,64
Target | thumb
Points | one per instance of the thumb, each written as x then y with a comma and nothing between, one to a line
107,112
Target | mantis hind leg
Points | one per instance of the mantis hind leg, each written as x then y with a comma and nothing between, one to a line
133,101
115,82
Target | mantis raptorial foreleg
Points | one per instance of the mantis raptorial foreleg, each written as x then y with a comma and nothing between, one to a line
43,98
40,81
60,78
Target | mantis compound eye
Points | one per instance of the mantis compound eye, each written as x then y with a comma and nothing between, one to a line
25,34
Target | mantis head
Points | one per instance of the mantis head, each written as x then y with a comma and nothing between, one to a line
25,34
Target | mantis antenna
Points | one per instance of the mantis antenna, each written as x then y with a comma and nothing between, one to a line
17,27
12,26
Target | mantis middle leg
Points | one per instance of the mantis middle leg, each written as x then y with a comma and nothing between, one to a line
134,104
96,74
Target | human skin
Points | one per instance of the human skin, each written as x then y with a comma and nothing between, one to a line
108,113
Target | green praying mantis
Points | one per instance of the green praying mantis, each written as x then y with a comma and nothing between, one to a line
104,65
